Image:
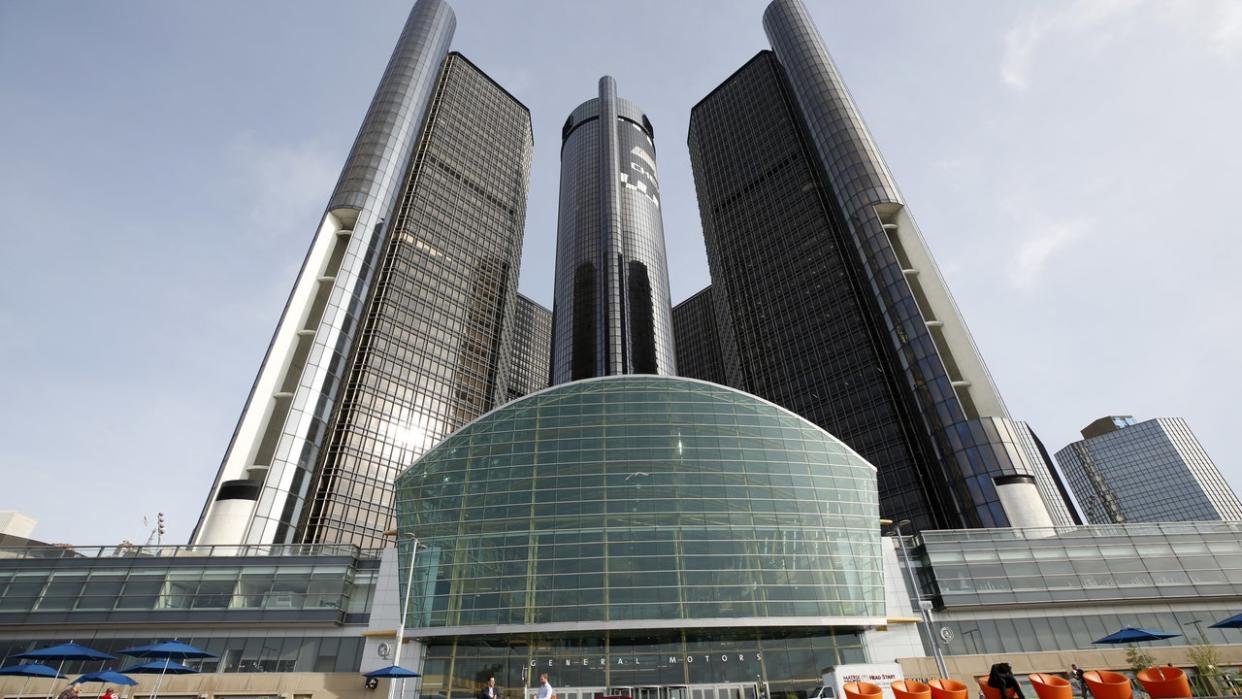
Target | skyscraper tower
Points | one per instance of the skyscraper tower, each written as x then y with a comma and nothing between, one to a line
1150,471
532,345
611,311
397,331
828,301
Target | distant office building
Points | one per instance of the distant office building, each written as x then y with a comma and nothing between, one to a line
611,311
698,343
828,301
397,331
532,344
1150,471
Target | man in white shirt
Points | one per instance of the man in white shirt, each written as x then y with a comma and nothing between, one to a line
545,689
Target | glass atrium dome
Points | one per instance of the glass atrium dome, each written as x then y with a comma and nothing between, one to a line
640,502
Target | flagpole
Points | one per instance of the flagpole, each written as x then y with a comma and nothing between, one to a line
52,686
159,680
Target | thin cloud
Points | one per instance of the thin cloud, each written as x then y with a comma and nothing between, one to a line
1038,249
1213,24
1023,41
1226,38
1217,25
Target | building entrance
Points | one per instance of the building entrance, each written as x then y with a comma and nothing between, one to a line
744,690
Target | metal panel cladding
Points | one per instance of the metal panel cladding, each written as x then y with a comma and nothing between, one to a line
641,502
612,311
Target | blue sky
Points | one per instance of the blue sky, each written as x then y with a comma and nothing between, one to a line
1073,166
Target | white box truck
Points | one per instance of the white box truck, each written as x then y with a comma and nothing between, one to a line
834,679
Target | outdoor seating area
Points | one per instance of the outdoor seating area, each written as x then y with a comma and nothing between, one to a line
910,689
1051,686
947,689
1158,683
862,690
990,692
162,660
1106,684
1165,682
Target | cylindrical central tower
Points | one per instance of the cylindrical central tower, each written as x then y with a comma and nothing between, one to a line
611,311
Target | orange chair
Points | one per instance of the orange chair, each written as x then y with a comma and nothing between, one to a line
910,689
1108,685
862,690
1051,686
947,689
990,692
1165,682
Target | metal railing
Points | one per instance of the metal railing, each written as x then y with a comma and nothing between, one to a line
127,550
1087,531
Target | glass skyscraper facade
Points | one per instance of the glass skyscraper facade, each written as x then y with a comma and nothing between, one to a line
532,346
398,330
1150,471
698,343
600,518
436,350
611,312
828,301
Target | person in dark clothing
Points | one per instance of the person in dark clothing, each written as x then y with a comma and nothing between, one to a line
1001,677
490,690
1080,678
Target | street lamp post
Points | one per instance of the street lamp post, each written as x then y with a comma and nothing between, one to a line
974,641
405,608
924,609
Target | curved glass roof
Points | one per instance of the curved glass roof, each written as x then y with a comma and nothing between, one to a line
642,501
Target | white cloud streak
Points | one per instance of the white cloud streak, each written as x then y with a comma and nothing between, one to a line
1047,240
1213,24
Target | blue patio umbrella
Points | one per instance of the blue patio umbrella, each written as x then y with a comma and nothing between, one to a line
107,677
1233,622
168,649
1134,635
65,651
393,671
161,667
29,670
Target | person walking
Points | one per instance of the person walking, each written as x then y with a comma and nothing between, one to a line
545,689
108,694
70,692
490,691
1079,677
1001,677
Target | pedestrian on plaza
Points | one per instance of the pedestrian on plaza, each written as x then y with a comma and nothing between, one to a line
545,689
490,690
1001,677
108,694
70,692
1079,677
